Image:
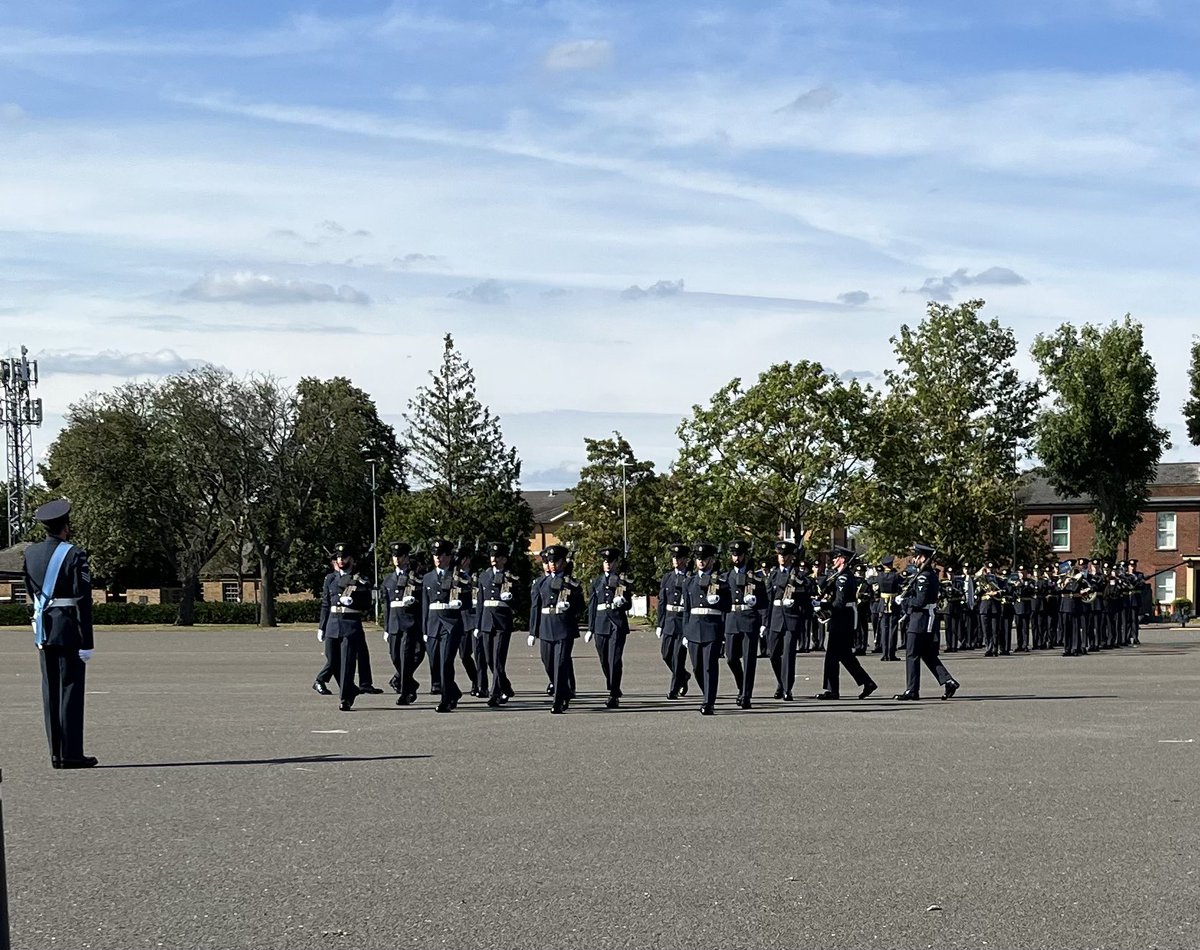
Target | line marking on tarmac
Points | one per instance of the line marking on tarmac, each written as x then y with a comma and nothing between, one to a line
343,732
1177,740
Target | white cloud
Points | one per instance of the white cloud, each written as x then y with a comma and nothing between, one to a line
247,287
579,54
661,288
854,298
945,288
114,363
487,292
11,112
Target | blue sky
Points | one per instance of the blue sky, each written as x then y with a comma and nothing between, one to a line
615,207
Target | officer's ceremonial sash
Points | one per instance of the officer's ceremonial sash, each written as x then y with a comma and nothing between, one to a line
44,596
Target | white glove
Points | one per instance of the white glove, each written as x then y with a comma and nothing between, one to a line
385,638
408,601
713,599
426,638
345,600
762,631
587,637
86,655
787,602
455,604
618,602
506,596
658,632
530,639
476,634
685,641
320,636
561,607
750,600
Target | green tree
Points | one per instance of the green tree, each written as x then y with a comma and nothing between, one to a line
616,487
945,439
1191,408
782,453
1098,439
464,476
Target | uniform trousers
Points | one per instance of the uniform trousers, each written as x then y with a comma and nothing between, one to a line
402,649
887,634
432,647
550,664
466,649
63,676
341,657
706,661
610,647
921,646
563,669
446,648
363,663
483,664
840,651
1022,621
674,654
781,649
741,654
495,650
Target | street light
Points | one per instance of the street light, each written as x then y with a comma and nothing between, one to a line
375,539
624,511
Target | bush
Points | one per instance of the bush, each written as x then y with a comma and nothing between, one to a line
297,611
15,615
164,615
159,614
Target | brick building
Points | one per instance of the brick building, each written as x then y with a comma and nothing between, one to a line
551,512
1169,532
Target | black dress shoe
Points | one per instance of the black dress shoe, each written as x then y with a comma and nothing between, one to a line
684,688
502,699
779,694
674,694
406,699
369,689
87,762
321,688
951,689
55,762
345,705
557,710
435,691
612,702
787,697
906,697
746,704
618,694
738,702
494,703
707,711
474,691
445,707
868,690
826,694
549,689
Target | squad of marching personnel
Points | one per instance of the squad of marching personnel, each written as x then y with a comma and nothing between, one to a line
708,619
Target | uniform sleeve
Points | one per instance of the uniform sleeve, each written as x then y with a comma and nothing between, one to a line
83,590
535,604
591,606
326,602
662,601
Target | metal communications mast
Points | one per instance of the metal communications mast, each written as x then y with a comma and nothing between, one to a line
19,413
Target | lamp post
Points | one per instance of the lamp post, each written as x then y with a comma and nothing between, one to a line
375,538
624,511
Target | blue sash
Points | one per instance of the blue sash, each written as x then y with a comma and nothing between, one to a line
47,592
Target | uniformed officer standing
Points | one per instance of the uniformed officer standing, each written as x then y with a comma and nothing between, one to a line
784,622
1024,590
558,605
919,603
401,596
1071,609
608,621
839,594
447,599
888,583
747,598
345,599
670,620
706,604
494,599
59,580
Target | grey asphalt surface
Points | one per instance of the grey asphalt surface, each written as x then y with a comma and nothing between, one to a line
1051,804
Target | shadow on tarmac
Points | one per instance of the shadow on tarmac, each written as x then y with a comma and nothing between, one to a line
289,760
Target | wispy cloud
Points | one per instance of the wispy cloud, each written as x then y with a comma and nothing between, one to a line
945,288
247,287
114,363
579,54
854,298
11,112
661,288
816,99
486,292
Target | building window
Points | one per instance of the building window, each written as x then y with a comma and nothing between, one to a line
230,593
19,594
1060,532
1165,536
1164,588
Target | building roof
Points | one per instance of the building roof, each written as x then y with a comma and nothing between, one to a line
1038,491
12,560
549,506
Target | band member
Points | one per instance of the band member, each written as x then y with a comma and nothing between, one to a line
747,597
784,622
494,627
608,621
670,620
919,603
447,600
558,606
401,595
706,603
839,595
888,583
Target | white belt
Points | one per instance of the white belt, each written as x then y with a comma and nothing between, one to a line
777,603
63,602
741,607
705,612
549,610
672,608
495,603
339,609
399,603
443,607
602,606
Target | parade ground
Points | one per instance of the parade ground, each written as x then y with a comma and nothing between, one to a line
1053,803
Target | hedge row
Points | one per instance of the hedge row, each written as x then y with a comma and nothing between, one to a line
298,611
